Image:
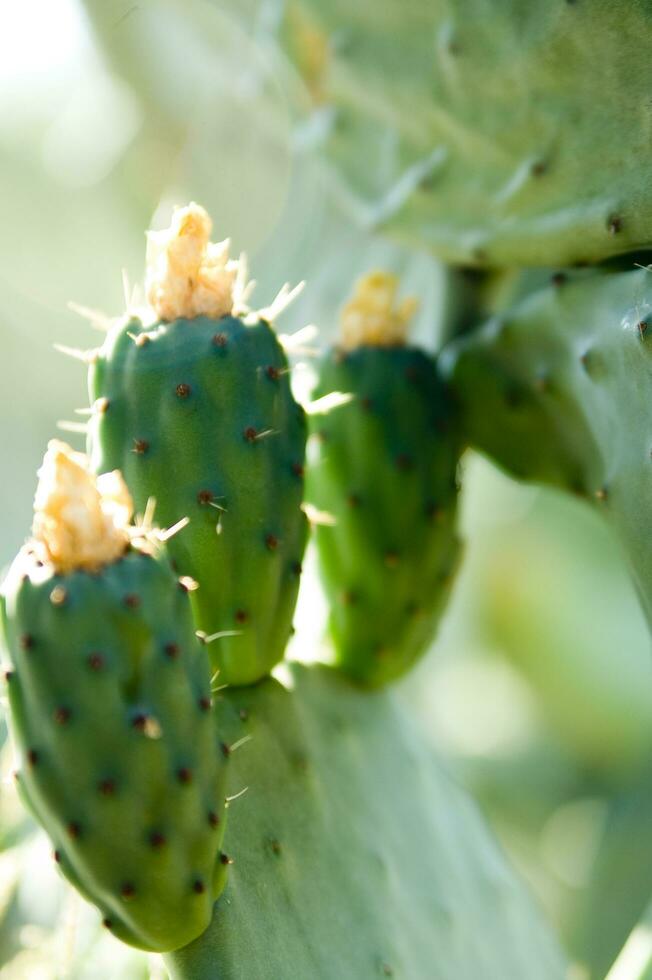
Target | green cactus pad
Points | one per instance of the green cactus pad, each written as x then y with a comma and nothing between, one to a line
198,414
384,469
559,391
355,855
493,133
111,711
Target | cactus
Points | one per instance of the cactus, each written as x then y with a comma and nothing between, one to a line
557,390
196,410
384,469
494,134
111,711
347,820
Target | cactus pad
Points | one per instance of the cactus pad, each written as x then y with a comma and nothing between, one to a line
354,854
493,133
559,391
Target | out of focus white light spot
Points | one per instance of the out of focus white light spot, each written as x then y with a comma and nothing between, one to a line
482,708
570,840
635,956
38,36
87,138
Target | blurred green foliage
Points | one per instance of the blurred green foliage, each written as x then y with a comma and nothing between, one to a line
539,688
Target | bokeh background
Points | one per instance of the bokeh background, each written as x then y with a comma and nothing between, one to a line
538,691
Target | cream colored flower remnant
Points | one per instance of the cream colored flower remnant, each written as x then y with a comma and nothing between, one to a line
80,521
372,317
187,274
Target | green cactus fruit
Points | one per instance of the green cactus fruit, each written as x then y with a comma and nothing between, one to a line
354,854
474,128
196,410
558,390
384,470
112,716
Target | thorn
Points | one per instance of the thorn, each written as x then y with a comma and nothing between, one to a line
171,531
126,289
86,356
295,342
238,745
236,796
188,584
66,426
282,300
97,319
203,638
326,404
318,518
150,510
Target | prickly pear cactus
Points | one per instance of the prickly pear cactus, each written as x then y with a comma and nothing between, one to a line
354,853
559,390
195,409
111,712
384,469
474,128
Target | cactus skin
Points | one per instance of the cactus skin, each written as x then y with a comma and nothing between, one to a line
474,128
349,819
559,391
385,470
198,413
135,812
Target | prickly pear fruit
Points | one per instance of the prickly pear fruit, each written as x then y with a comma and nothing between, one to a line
474,128
558,390
385,471
111,711
196,410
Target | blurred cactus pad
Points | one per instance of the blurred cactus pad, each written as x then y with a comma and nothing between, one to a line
493,133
